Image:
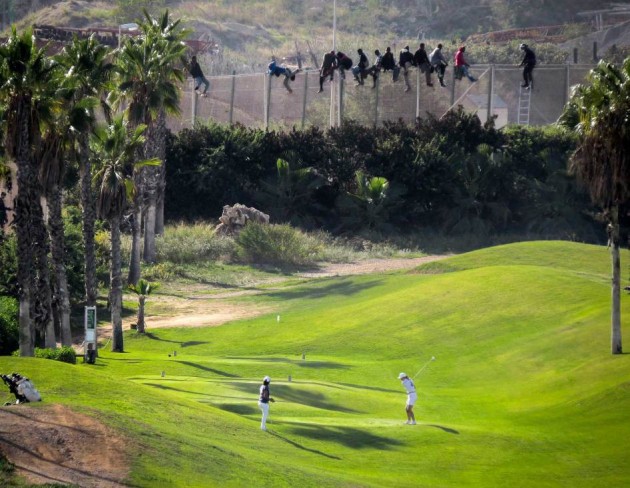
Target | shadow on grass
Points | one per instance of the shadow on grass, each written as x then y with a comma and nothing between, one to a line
344,287
237,408
206,368
445,429
371,388
347,436
151,335
297,362
300,446
290,394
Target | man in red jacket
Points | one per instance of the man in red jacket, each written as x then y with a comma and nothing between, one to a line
461,66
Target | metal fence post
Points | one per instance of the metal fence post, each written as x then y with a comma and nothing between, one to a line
340,102
490,90
453,88
304,99
377,84
567,83
267,80
417,93
193,105
232,97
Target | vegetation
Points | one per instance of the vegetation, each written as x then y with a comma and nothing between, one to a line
64,354
523,387
598,113
451,176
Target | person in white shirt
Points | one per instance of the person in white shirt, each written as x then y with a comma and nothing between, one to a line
263,401
412,396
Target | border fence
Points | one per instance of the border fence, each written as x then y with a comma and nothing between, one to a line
260,100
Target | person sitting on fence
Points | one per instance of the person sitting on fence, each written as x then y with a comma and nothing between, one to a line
197,74
438,62
274,69
461,66
389,64
405,61
329,65
360,70
375,69
421,60
343,63
528,63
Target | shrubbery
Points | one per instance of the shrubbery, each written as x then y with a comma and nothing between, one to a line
9,328
64,354
453,175
279,245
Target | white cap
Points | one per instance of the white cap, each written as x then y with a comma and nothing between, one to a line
266,379
402,375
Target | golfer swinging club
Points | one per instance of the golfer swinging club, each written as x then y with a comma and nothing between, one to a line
412,396
263,401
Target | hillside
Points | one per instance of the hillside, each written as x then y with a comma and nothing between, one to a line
523,391
257,27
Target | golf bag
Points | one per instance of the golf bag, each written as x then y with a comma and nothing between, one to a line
22,388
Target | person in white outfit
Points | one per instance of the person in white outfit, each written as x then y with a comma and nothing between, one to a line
412,396
263,401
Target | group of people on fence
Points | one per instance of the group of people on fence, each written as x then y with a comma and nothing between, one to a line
427,63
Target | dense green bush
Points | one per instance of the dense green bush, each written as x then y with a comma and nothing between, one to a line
184,244
64,354
459,176
8,268
279,245
9,327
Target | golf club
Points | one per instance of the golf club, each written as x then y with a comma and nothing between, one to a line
425,365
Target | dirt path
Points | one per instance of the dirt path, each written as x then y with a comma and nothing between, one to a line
199,310
53,444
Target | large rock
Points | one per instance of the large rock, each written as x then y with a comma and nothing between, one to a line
236,217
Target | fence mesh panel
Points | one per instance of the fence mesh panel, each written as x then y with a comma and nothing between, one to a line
258,100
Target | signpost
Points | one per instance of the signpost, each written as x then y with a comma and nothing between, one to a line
90,334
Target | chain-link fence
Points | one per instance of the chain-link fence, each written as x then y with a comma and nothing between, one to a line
259,100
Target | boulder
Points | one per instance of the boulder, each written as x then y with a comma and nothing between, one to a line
234,218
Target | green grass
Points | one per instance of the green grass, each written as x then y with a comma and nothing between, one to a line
524,390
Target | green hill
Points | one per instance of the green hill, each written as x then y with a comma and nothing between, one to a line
523,392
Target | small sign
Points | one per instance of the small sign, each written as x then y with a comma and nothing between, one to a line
90,318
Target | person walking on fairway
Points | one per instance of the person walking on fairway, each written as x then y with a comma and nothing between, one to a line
263,402
197,74
412,396
528,63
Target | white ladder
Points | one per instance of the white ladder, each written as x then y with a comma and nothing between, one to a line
524,105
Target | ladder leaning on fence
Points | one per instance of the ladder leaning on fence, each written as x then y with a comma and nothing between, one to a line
524,105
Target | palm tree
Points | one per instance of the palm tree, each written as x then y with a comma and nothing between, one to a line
289,196
372,205
143,289
116,148
598,114
88,72
26,76
148,84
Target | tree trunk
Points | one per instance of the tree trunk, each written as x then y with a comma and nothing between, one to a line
56,231
141,300
41,303
25,178
115,292
159,217
616,283
155,147
89,217
136,242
